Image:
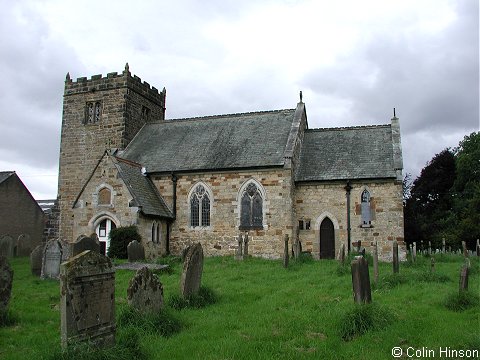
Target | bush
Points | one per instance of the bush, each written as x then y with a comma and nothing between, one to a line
460,301
119,240
204,297
363,318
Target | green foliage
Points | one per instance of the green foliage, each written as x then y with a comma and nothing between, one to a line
162,322
391,280
363,318
119,240
429,276
7,318
204,298
460,301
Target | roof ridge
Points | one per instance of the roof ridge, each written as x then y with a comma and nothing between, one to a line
359,127
221,116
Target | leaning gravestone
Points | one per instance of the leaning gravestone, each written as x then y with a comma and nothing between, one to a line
396,265
87,304
85,243
51,260
6,246
286,257
135,251
145,291
6,280
24,245
36,257
192,271
362,293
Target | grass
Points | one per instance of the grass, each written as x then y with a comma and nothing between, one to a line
261,311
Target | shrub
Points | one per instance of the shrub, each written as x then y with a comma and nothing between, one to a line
119,240
204,297
363,318
460,301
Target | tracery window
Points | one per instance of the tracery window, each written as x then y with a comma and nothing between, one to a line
93,112
199,207
251,213
366,213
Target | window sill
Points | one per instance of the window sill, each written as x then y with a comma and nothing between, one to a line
366,226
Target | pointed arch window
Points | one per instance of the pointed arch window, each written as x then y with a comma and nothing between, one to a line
251,212
366,212
199,207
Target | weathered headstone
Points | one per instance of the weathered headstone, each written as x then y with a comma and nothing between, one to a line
443,245
414,252
245,245
145,291
135,251
36,257
432,264
429,248
421,246
24,245
464,247
87,304
6,280
6,246
52,257
239,252
192,271
362,293
286,256
341,257
463,283
85,243
396,265
375,263
478,247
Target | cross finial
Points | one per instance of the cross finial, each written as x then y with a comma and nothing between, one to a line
301,96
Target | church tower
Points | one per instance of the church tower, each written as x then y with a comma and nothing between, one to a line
99,113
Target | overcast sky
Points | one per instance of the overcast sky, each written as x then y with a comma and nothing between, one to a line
354,61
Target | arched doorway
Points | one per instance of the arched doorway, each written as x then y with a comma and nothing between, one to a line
103,232
327,239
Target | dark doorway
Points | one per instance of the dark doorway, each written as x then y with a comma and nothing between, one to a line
327,239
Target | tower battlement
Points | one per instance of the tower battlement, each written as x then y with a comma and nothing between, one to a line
113,81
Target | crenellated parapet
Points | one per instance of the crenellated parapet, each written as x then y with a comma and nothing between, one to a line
113,81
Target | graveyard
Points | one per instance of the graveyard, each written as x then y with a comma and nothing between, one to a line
263,309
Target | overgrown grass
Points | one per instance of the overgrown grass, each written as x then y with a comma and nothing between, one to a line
263,311
362,318
7,318
163,323
205,297
460,301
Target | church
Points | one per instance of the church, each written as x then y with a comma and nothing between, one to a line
209,179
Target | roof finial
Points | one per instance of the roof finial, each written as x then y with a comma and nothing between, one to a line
67,78
127,68
394,113
301,96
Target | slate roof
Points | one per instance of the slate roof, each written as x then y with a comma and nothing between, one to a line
346,154
142,189
4,175
214,142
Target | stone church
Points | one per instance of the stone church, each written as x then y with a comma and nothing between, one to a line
208,179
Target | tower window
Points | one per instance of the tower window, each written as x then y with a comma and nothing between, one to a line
145,113
93,112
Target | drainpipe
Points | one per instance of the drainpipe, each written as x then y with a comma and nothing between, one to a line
174,208
348,188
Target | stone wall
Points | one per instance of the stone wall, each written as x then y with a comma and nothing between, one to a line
19,212
313,202
220,237
123,99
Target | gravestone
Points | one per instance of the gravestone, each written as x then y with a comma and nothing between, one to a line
375,263
341,257
87,304
36,257
432,264
135,251
396,265
51,260
414,252
478,247
245,245
239,252
444,246
362,293
85,243
286,256
429,248
24,245
6,246
463,283
192,271
6,280
359,246
145,291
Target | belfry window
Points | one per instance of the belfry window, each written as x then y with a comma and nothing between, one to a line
366,213
199,207
93,112
251,213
